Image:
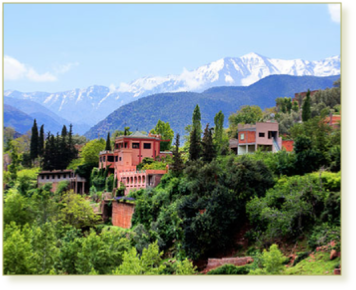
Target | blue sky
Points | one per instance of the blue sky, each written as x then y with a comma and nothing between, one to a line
56,47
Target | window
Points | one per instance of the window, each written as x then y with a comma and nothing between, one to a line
101,159
125,144
42,177
104,158
59,176
53,176
110,158
116,146
47,176
64,175
116,158
242,136
146,145
120,158
135,145
261,134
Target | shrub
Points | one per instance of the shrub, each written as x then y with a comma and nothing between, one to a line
229,269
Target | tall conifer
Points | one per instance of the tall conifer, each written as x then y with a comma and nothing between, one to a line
64,131
41,141
197,122
108,143
194,146
306,113
219,127
208,152
34,141
177,166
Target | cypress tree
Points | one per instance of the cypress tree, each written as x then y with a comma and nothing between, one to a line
64,131
208,152
306,112
108,143
34,141
41,141
197,122
194,146
219,124
177,166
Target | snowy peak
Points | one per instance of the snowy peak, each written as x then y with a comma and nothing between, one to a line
92,104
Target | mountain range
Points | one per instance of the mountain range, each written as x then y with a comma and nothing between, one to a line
177,108
90,105
20,114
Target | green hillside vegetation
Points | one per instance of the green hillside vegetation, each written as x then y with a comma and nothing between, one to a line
278,203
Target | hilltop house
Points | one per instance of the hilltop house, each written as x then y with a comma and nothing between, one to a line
251,137
128,152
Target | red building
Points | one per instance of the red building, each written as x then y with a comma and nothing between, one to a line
263,136
129,151
300,96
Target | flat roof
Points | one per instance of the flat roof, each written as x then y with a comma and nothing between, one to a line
56,171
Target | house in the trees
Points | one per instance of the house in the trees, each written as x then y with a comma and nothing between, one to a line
299,97
129,151
252,137
77,183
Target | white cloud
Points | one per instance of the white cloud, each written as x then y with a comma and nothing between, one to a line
15,70
61,69
334,10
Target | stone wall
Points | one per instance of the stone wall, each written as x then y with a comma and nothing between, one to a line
122,214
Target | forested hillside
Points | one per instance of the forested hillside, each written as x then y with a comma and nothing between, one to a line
175,107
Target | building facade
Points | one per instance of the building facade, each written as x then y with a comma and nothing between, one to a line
252,137
129,151
77,183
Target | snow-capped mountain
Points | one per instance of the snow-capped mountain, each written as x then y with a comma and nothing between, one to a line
94,103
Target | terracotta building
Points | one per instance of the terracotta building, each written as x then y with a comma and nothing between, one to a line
263,136
298,97
76,183
129,151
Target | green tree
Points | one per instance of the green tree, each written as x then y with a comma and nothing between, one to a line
91,150
194,146
295,106
108,143
196,124
306,113
246,115
41,141
219,129
208,148
13,167
34,141
148,264
164,129
64,131
44,250
127,131
177,165
272,262
76,211
17,250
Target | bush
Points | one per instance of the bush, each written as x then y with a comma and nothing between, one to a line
229,269
272,262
